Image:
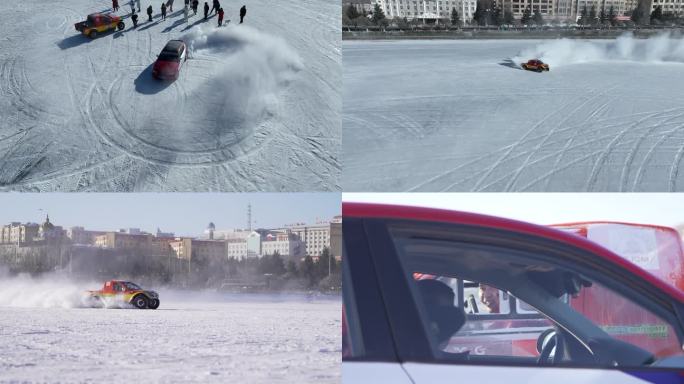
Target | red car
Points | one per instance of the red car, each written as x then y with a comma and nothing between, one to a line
170,60
117,292
535,65
566,306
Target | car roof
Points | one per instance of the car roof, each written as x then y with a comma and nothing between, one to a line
599,222
100,14
398,212
174,46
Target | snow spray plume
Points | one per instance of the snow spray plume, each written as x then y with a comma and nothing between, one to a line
48,291
256,66
661,48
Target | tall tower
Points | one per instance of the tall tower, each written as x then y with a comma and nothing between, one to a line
211,229
249,216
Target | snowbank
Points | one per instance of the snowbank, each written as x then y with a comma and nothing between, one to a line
662,48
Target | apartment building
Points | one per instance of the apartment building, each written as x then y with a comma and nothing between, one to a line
428,10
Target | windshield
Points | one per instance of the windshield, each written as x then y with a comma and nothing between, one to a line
132,287
169,56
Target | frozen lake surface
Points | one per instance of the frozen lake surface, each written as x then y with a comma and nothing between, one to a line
219,339
462,115
257,105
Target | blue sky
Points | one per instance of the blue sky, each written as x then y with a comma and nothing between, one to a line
182,213
548,208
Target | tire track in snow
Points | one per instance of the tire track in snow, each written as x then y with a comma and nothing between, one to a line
502,149
218,155
600,161
550,133
674,168
515,145
555,153
632,154
640,170
575,134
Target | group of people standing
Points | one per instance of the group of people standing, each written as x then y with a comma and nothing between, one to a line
189,5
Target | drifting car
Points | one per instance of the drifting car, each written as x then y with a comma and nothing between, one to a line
568,307
97,23
170,60
117,292
535,65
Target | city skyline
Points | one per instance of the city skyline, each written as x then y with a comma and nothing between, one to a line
184,214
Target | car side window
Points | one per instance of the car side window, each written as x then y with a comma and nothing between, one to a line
491,322
492,304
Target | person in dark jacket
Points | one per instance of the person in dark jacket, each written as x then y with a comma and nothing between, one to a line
163,9
195,4
169,3
149,12
134,17
220,16
206,10
215,6
243,12
115,5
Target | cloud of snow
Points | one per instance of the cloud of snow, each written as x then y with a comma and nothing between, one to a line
48,291
255,66
664,47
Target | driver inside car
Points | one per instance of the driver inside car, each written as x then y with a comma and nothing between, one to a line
444,319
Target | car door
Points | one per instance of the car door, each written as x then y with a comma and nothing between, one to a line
368,354
396,248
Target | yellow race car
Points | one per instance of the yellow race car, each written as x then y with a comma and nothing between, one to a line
99,23
535,65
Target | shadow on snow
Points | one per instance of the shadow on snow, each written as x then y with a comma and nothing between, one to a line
148,85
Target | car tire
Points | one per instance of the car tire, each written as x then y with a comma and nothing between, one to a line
121,26
153,304
140,302
92,34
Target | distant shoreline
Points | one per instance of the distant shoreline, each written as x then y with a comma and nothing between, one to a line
475,34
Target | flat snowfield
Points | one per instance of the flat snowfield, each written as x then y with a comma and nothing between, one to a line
463,116
257,106
241,340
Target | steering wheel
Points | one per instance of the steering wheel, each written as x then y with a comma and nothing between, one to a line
552,340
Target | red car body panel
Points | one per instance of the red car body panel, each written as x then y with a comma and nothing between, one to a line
165,69
367,210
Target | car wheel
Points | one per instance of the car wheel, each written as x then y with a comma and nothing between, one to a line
121,26
92,34
154,304
140,302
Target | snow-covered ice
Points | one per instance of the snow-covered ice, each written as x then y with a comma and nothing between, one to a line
463,116
257,106
192,337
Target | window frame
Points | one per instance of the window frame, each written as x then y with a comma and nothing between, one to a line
406,326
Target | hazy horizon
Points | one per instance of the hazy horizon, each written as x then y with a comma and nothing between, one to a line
181,213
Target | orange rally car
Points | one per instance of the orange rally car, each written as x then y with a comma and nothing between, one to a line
99,23
535,65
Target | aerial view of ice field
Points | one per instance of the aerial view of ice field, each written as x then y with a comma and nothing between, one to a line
48,334
86,105
465,116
